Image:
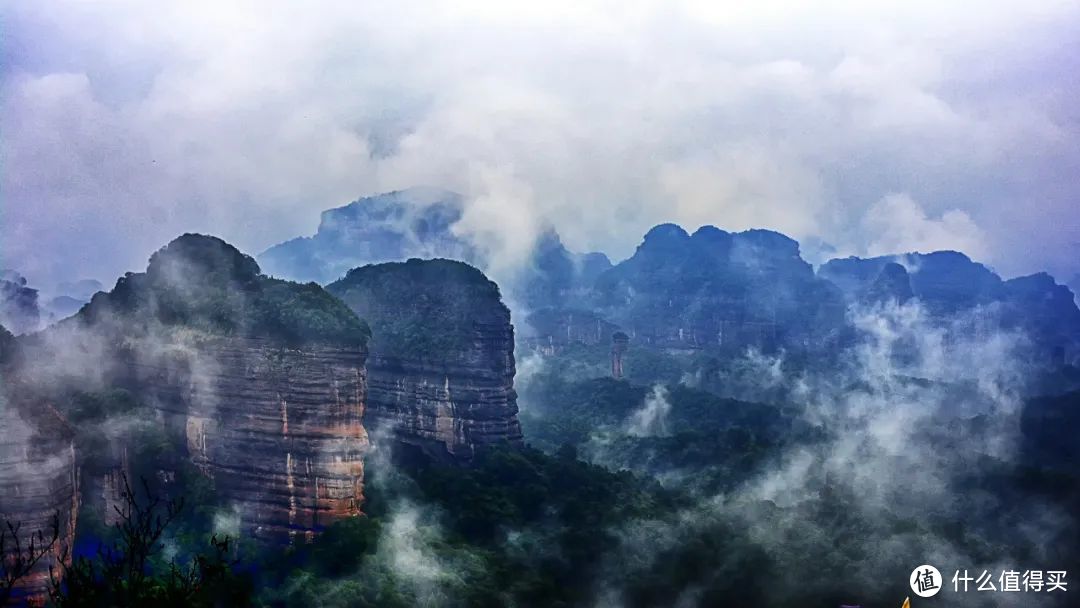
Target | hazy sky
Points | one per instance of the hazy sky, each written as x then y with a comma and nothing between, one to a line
877,127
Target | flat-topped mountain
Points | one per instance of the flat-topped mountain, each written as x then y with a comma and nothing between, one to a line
441,369
945,282
719,291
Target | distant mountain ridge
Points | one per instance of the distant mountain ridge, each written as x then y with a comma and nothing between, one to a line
948,283
419,223
720,289
19,310
712,289
389,227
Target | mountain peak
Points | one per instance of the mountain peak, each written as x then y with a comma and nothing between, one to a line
664,237
200,257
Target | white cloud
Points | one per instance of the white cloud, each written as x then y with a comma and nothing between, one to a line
126,124
897,224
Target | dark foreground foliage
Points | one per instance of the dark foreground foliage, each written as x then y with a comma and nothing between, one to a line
131,571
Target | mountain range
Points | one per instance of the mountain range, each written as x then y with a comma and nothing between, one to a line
711,289
261,398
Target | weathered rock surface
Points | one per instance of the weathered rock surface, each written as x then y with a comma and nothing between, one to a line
259,382
279,430
39,486
549,329
441,370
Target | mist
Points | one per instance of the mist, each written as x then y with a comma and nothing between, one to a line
913,410
870,130
859,130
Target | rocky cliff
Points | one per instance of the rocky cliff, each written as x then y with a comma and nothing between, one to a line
39,487
260,383
279,430
549,329
441,370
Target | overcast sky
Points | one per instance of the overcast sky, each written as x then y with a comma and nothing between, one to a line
873,128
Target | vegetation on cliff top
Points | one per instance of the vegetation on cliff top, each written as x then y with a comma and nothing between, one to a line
203,283
421,307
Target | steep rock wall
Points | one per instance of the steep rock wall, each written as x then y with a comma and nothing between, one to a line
453,406
280,430
441,370
39,488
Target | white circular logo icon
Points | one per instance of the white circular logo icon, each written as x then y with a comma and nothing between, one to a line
925,581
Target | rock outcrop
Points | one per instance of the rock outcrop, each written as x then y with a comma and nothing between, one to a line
420,223
280,430
39,489
441,369
892,286
260,383
1047,312
554,277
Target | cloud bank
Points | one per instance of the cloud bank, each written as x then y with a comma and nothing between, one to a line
897,125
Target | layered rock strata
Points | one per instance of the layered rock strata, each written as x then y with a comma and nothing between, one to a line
441,370
39,491
279,430
260,383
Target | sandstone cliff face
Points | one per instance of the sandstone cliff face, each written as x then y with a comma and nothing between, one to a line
258,382
39,487
280,430
442,368
453,406
549,330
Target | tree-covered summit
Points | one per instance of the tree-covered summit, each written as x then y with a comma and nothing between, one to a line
421,307
202,283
